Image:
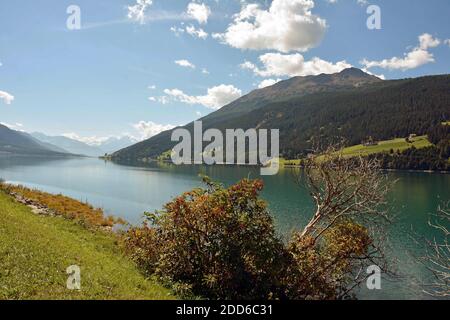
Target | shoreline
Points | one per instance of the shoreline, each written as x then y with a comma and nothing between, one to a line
282,166
388,170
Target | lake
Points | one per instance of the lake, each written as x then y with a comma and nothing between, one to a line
129,190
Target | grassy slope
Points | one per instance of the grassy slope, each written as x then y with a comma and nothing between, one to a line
35,252
383,146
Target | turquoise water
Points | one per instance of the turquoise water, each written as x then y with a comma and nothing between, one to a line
128,191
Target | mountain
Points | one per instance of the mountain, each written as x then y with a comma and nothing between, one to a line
77,147
16,142
295,87
71,145
46,145
350,104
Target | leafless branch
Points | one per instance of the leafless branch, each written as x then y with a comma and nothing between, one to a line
437,257
346,189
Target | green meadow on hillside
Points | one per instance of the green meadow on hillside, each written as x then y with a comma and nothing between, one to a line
36,250
398,144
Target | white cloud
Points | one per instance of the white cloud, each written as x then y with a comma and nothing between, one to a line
427,41
6,97
411,60
137,12
177,30
279,65
205,71
380,76
16,126
199,33
152,87
191,30
97,141
148,129
92,140
268,82
215,98
163,99
185,63
288,25
417,57
199,12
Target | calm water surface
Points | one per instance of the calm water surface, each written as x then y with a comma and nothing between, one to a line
128,191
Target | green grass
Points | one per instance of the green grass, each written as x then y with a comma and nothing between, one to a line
36,250
398,144
285,162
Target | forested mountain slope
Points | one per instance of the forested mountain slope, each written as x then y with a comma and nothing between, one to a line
351,104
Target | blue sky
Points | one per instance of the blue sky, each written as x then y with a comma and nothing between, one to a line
140,67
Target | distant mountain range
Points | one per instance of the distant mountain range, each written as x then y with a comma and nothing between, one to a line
70,145
351,104
18,142
77,147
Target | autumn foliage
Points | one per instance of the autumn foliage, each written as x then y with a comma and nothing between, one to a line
60,205
221,243
322,270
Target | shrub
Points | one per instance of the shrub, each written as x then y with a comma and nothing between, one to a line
141,244
219,241
321,270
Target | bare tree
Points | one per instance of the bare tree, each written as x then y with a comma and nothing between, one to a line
348,189
437,258
344,187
